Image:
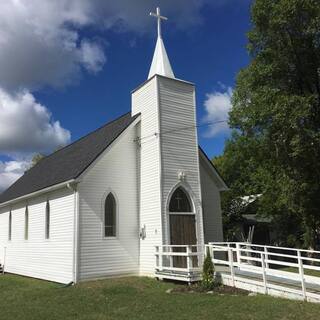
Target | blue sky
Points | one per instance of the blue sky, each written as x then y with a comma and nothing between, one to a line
205,42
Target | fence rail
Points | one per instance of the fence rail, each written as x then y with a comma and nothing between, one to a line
179,262
277,266
289,272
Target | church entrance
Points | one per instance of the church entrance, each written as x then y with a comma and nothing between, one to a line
182,225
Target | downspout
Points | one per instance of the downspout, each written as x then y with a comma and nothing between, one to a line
75,264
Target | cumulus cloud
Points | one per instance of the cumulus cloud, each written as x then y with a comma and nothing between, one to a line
43,45
10,171
27,126
217,106
41,42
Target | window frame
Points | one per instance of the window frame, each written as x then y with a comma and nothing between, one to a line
116,203
186,192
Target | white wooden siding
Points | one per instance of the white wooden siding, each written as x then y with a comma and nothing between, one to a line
179,148
211,205
145,100
49,259
114,171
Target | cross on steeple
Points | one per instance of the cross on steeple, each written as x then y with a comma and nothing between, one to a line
159,18
160,63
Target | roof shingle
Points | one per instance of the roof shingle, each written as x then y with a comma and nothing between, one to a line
69,162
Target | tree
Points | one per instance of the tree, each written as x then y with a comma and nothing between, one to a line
275,146
36,158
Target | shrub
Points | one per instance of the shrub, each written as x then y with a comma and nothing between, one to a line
208,281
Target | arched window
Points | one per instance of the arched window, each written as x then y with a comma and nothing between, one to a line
47,220
179,201
110,216
10,226
26,223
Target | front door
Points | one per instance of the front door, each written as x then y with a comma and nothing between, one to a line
182,232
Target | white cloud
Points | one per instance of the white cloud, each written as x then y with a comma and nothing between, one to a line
41,45
27,126
217,106
41,42
10,171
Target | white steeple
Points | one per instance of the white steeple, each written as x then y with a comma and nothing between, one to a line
160,62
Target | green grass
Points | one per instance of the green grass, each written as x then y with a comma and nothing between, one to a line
136,298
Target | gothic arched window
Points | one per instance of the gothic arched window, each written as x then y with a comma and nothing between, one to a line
179,201
10,227
110,216
26,223
47,231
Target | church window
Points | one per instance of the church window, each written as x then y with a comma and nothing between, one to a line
26,223
10,227
47,220
110,212
179,201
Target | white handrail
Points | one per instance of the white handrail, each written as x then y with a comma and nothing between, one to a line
263,259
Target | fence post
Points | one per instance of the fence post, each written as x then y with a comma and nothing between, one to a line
238,254
160,258
189,263
170,257
264,277
267,256
230,253
303,285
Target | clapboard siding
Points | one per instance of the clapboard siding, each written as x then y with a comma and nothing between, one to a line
114,171
211,205
49,259
179,146
145,100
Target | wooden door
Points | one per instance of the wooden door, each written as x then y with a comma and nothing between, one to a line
182,232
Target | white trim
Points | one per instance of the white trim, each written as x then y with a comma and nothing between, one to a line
160,161
76,238
161,76
77,180
194,212
215,174
36,193
110,146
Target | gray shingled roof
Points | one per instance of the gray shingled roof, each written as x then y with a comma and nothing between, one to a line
69,162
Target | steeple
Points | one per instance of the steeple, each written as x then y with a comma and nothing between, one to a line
160,62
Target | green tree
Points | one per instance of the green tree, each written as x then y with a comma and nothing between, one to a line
275,147
36,158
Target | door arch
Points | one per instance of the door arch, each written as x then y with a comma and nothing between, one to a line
182,223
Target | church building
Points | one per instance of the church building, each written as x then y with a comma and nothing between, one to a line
100,206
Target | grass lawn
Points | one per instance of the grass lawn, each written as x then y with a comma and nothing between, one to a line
136,298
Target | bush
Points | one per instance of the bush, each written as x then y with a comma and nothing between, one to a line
208,281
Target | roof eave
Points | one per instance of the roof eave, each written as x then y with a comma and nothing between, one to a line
71,183
223,185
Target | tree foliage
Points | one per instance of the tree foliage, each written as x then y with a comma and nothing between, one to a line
36,158
275,146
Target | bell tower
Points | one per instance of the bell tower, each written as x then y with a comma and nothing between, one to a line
168,157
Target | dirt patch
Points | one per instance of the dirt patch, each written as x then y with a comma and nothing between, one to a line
221,290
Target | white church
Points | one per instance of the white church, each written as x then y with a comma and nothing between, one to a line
100,206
